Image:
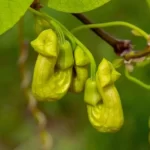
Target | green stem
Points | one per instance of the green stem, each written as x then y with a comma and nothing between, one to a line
137,54
115,23
71,37
133,79
56,27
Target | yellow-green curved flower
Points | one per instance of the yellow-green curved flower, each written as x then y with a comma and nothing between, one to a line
50,83
108,115
65,58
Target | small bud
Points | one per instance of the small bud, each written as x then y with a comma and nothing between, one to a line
91,94
81,59
80,73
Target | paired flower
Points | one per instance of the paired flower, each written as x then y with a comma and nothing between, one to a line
60,69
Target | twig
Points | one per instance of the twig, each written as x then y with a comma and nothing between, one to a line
46,139
137,54
119,46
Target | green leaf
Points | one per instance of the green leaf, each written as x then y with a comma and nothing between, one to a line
44,2
76,6
148,1
11,11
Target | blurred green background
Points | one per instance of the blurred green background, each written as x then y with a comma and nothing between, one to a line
67,119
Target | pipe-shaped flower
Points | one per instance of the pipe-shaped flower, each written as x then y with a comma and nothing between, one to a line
108,115
49,83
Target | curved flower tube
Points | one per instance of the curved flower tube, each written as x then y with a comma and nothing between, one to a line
49,82
108,115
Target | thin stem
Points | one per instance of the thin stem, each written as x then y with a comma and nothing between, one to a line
135,80
115,23
119,45
99,32
72,38
51,22
137,54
